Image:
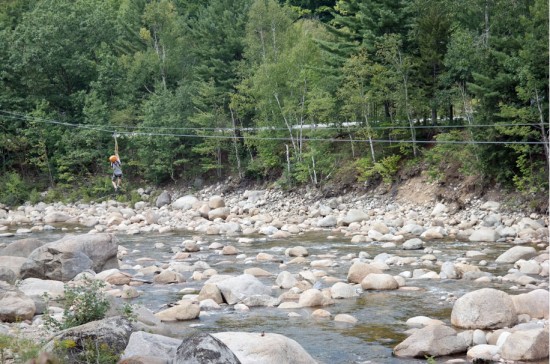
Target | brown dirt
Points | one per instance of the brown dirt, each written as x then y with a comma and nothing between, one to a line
417,190
413,186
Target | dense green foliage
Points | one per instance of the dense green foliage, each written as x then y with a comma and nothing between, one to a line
265,89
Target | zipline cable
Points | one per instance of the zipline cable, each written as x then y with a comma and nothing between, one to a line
267,128
254,137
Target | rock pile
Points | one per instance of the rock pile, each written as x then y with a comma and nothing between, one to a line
487,324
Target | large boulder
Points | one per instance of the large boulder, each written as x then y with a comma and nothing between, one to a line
216,202
355,215
151,346
516,253
413,244
15,305
379,281
182,311
296,251
343,290
63,259
113,333
484,234
236,289
56,217
327,221
12,263
483,353
313,298
360,270
21,248
432,340
168,277
486,308
35,289
219,213
534,303
526,345
286,280
268,348
185,202
164,199
210,291
202,348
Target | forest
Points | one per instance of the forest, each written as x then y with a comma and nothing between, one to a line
297,92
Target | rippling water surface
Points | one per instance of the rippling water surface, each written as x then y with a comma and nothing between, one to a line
381,314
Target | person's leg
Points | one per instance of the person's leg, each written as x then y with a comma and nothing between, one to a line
113,181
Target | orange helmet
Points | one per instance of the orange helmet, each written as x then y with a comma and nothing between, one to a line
113,158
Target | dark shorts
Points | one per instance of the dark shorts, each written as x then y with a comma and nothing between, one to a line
115,176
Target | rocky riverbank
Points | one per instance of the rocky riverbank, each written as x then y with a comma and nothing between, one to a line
486,323
363,217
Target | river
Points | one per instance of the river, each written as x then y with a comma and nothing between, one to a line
381,315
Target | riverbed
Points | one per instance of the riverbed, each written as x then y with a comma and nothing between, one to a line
381,315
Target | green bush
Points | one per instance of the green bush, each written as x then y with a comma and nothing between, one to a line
83,303
34,197
55,195
13,190
86,351
451,154
386,168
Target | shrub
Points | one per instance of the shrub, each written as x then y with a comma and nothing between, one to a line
13,190
88,351
386,168
34,197
452,154
83,303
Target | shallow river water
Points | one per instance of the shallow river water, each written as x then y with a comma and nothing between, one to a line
381,314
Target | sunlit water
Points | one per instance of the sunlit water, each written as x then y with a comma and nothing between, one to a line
381,314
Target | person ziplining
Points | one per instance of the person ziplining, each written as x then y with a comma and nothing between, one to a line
116,165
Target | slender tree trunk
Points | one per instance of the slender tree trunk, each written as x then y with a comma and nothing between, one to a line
542,127
289,127
352,148
369,135
405,78
161,53
314,177
287,160
409,116
263,44
236,145
469,116
302,107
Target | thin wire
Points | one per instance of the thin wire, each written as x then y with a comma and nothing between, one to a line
253,137
307,126
326,139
